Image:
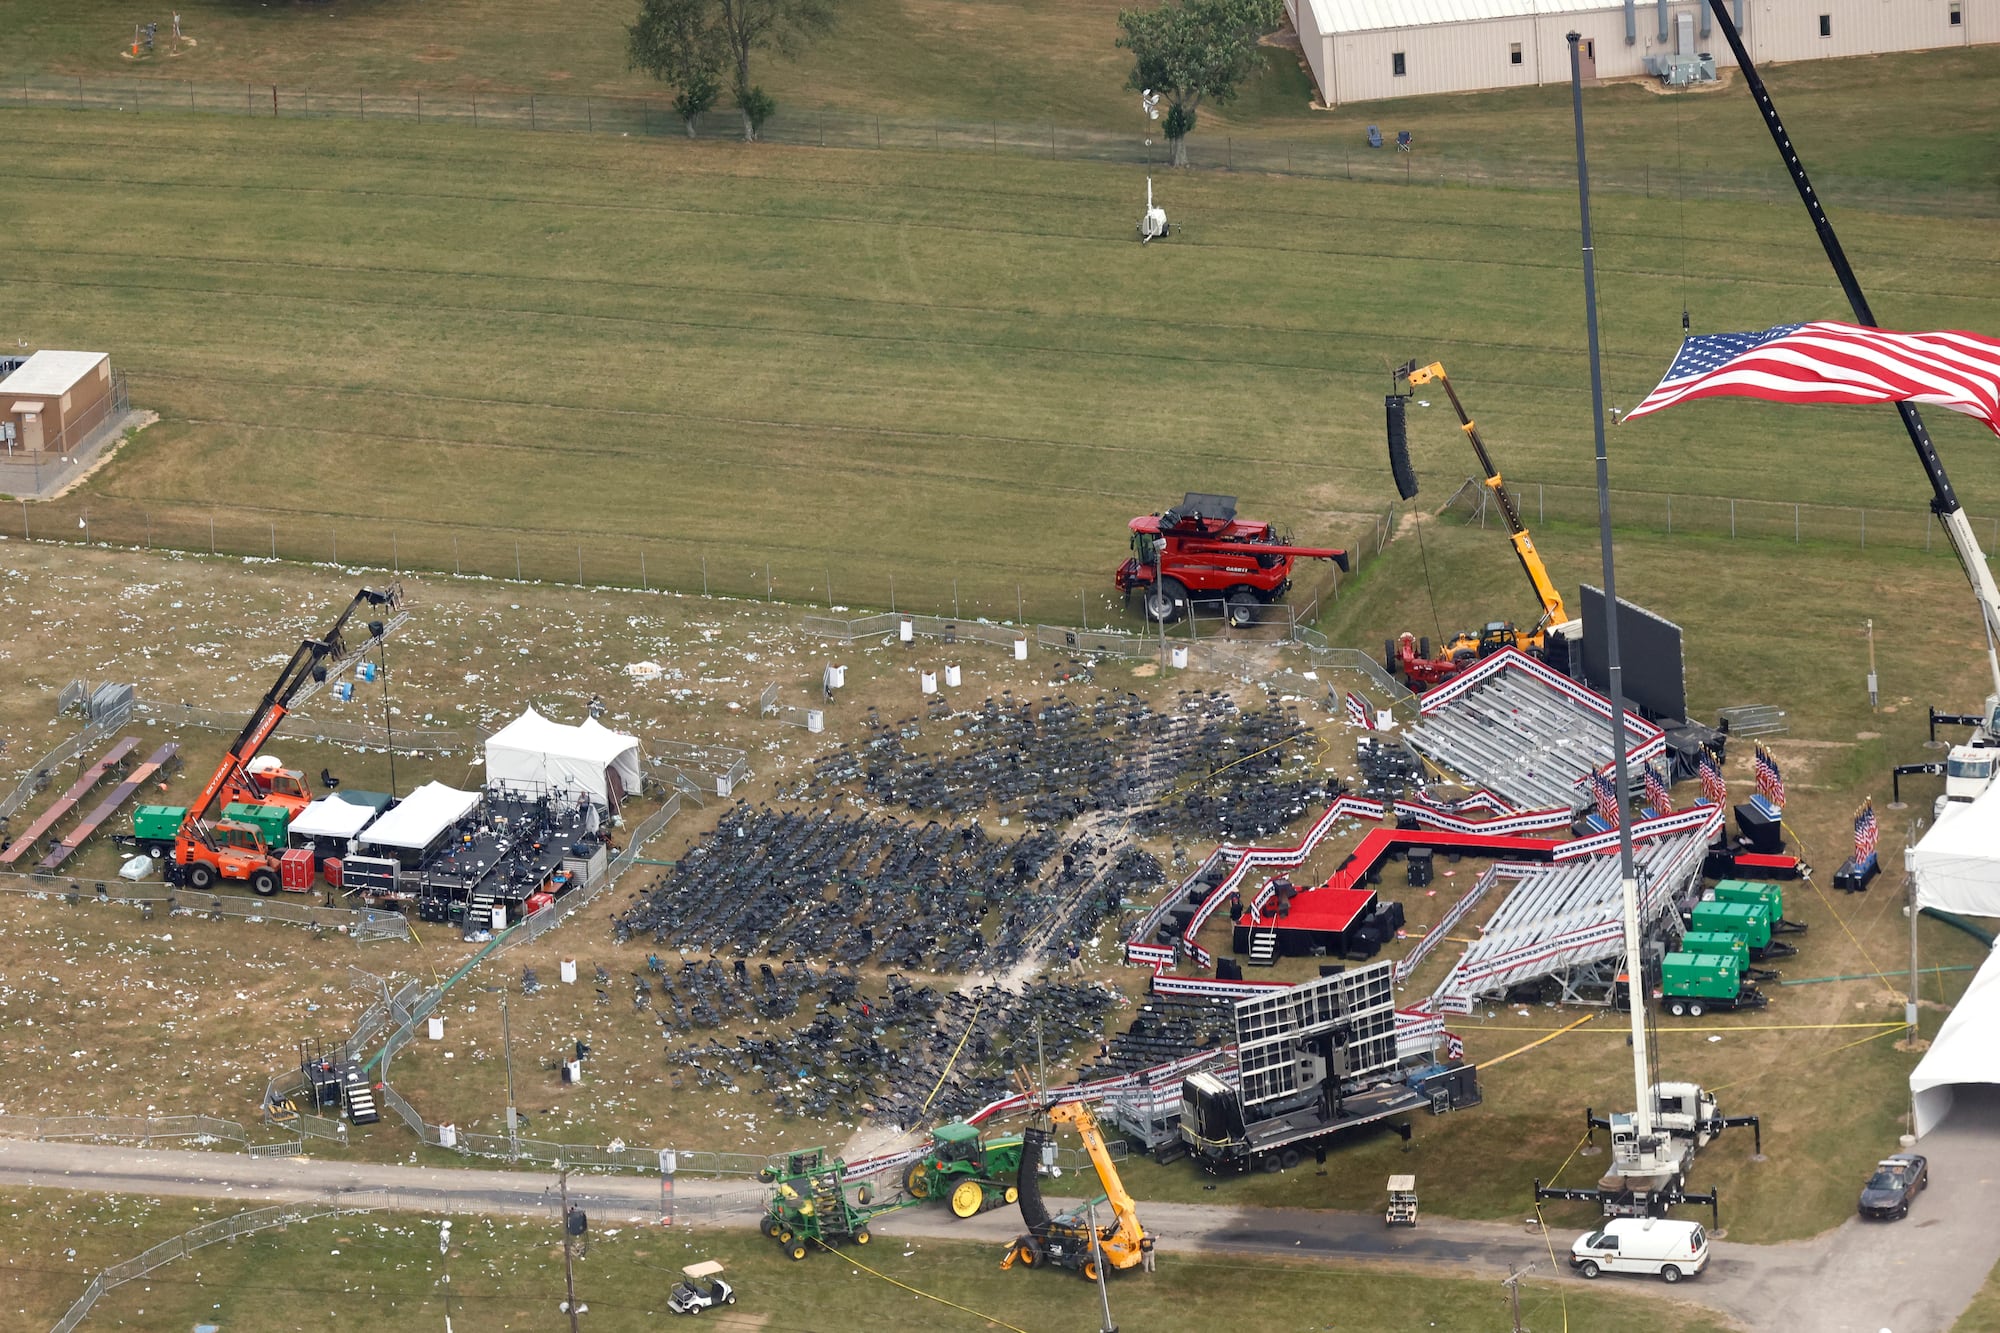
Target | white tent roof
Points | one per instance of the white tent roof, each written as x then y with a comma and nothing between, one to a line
531,749
424,813
331,817
1957,864
1966,1049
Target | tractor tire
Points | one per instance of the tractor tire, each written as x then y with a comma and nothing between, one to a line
916,1181
1166,601
1423,645
1389,656
1242,610
1011,1194
862,1237
1587,1268
796,1249
967,1199
864,1196
1032,1255
201,876
1695,1009
770,1227
1089,1270
264,883
785,1236
1676,1008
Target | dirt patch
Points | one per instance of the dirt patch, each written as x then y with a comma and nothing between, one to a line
437,55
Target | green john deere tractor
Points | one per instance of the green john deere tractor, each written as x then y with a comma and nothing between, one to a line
969,1171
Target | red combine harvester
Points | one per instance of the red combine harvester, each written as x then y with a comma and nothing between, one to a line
1199,551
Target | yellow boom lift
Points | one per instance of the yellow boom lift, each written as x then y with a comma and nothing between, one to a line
1426,669
1065,1241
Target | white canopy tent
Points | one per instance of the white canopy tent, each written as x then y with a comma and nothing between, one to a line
1964,1051
331,817
1957,864
423,815
588,760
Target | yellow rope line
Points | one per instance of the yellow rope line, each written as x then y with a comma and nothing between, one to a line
1887,1030
1553,1266
946,1071
964,1309
1499,1059
1828,903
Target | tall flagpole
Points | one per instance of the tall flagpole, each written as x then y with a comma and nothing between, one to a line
1634,972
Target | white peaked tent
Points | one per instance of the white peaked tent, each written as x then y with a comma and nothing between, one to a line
1966,1049
331,817
1957,864
590,760
424,814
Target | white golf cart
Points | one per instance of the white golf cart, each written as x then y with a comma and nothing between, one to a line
703,1289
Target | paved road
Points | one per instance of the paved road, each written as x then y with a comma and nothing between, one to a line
1908,1277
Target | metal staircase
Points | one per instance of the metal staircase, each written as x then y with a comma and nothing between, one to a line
1263,946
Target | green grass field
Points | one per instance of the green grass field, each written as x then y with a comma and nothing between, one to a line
509,1272
853,367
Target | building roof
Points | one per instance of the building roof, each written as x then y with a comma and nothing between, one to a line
52,372
1337,16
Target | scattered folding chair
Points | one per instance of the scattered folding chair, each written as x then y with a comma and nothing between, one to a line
1402,141
1374,136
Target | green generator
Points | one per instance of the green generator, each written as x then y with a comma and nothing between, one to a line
1717,941
1745,891
1750,920
156,826
270,821
1693,983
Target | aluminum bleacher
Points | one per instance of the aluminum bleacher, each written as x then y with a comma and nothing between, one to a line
1566,915
1525,732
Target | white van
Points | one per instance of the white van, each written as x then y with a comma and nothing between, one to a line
1660,1245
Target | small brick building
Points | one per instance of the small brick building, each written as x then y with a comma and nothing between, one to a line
56,400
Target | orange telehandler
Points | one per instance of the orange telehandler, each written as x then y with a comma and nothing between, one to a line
1068,1240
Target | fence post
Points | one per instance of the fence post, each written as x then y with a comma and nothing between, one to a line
954,598
336,546
1020,615
274,541
767,580
517,561
1864,529
395,556
589,116
532,124
892,594
704,571
147,514
1670,515
420,108
579,566
454,554
1541,509
1732,518
24,520
1795,525
211,534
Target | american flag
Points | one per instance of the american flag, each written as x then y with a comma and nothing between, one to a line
1866,833
1454,1046
1828,362
1714,789
1606,792
1769,780
1656,791
1359,713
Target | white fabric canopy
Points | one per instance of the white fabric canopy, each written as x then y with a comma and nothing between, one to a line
1957,864
424,813
589,760
331,817
1966,1049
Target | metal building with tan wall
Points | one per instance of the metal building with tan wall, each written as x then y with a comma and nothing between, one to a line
1365,50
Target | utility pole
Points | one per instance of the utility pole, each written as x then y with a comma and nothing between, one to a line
1512,1282
1910,883
507,1048
569,1269
1097,1256
388,730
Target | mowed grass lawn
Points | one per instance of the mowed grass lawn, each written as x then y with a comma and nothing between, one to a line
1926,118
862,366
507,1273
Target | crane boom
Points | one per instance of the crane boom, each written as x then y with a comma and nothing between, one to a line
1553,612
310,657
1128,1235
1944,498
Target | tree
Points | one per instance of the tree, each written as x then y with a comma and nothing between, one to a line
680,43
1194,51
760,25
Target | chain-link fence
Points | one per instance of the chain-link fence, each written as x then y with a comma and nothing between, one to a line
185,1244
1719,516
1338,152
71,451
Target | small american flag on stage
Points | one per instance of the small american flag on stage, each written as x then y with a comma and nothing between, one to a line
1606,793
1714,789
1656,791
1866,833
1359,713
1454,1046
1769,780
1828,362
